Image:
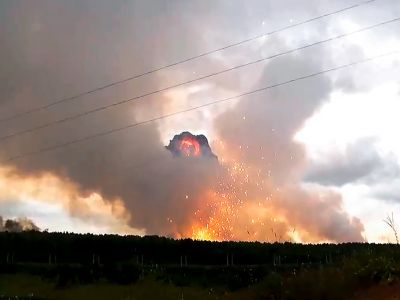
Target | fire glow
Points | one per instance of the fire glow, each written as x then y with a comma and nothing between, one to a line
232,210
189,146
237,203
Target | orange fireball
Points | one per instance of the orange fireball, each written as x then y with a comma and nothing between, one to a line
189,146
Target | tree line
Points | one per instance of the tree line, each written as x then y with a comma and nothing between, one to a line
62,248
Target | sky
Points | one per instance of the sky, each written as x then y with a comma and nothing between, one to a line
313,160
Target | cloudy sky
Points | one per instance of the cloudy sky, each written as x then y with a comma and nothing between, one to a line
320,156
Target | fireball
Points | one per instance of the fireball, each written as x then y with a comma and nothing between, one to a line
189,146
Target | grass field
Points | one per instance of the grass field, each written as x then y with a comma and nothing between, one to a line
301,272
33,287
24,285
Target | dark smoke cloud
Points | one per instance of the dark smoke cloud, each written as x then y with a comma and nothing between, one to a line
266,125
132,165
17,225
360,164
52,49
359,161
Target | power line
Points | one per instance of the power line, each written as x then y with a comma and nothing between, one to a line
76,96
105,107
108,132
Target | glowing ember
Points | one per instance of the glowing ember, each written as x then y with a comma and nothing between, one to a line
189,146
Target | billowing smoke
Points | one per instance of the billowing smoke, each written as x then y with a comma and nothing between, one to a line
158,190
255,187
261,132
133,166
17,225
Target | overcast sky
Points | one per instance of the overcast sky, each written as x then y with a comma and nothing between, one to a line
334,134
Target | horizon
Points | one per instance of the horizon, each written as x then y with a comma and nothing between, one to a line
212,121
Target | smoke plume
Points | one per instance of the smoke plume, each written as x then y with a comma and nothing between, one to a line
253,190
17,225
261,133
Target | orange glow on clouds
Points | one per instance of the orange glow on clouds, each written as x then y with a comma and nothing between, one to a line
49,189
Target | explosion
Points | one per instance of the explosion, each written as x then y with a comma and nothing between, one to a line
233,206
238,207
189,145
243,201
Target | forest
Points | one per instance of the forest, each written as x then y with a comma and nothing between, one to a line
65,261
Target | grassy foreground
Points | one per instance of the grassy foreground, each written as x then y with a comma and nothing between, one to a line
23,285
72,266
